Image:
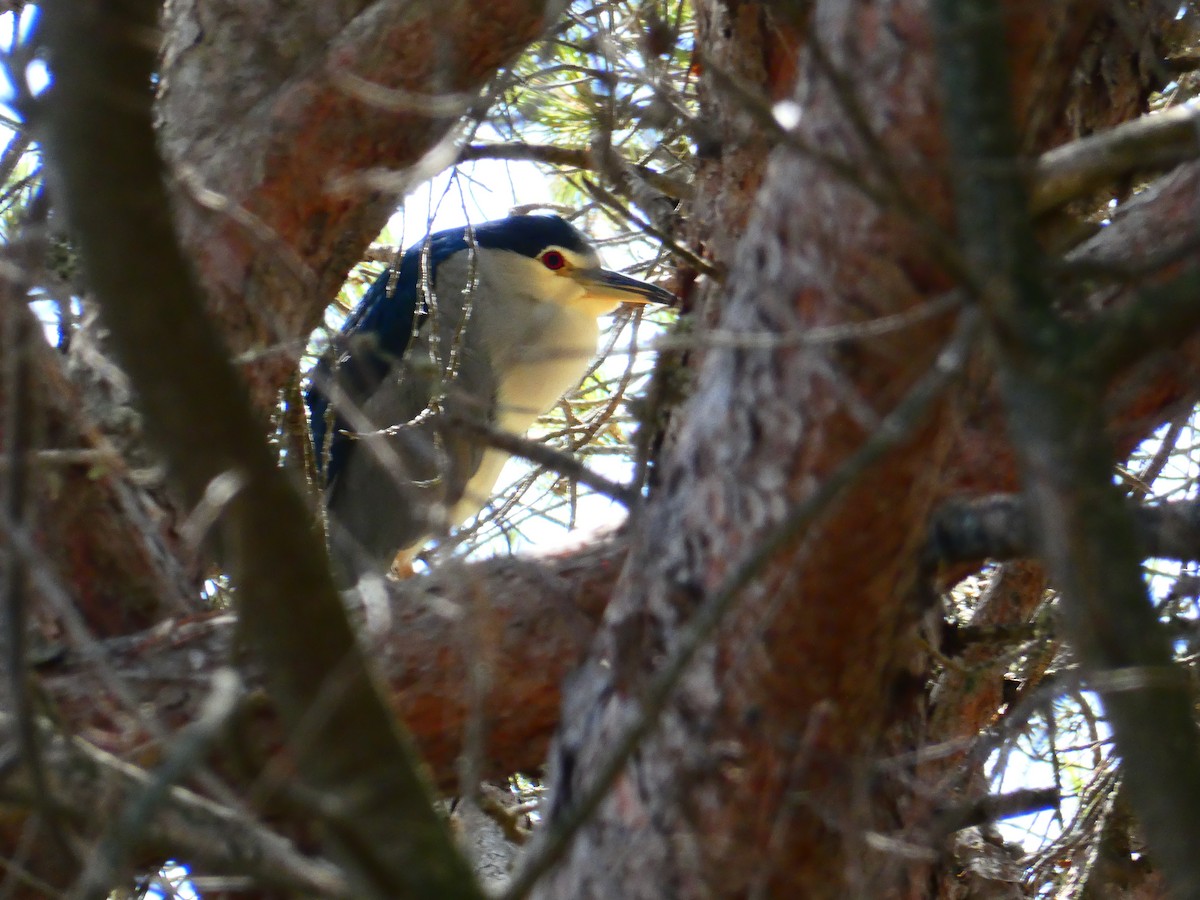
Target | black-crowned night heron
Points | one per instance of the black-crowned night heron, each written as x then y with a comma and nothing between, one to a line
493,323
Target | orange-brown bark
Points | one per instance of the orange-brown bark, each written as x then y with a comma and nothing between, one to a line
788,706
256,107
256,136
494,639
770,739
98,542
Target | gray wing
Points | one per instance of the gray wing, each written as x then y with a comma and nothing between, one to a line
409,468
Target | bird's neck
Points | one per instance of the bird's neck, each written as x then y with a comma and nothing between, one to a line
545,362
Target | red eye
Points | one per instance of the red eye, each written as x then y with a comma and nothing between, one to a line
552,259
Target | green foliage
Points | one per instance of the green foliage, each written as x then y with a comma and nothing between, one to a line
613,75
20,175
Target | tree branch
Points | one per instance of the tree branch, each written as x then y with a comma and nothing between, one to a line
268,133
993,808
1151,142
574,157
1001,528
1055,416
538,453
99,135
88,786
426,635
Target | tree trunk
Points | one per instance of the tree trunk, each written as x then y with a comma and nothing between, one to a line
760,773
762,642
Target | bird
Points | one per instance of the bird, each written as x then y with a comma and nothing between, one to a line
493,322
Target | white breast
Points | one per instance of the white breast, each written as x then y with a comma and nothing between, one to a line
542,346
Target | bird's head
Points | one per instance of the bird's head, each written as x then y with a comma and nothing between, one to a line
556,264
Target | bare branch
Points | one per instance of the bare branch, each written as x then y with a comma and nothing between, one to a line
1001,528
994,808
1055,415
102,143
539,619
89,785
571,157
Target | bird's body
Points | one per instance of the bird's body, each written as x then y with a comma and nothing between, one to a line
509,327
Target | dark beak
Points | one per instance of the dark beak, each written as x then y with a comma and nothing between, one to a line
606,285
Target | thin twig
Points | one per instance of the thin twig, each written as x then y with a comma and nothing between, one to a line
556,461
608,199
19,333
818,335
569,157
193,744
85,779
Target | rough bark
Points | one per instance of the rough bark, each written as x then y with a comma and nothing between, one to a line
118,578
493,640
260,121
757,775
107,173
767,743
256,126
